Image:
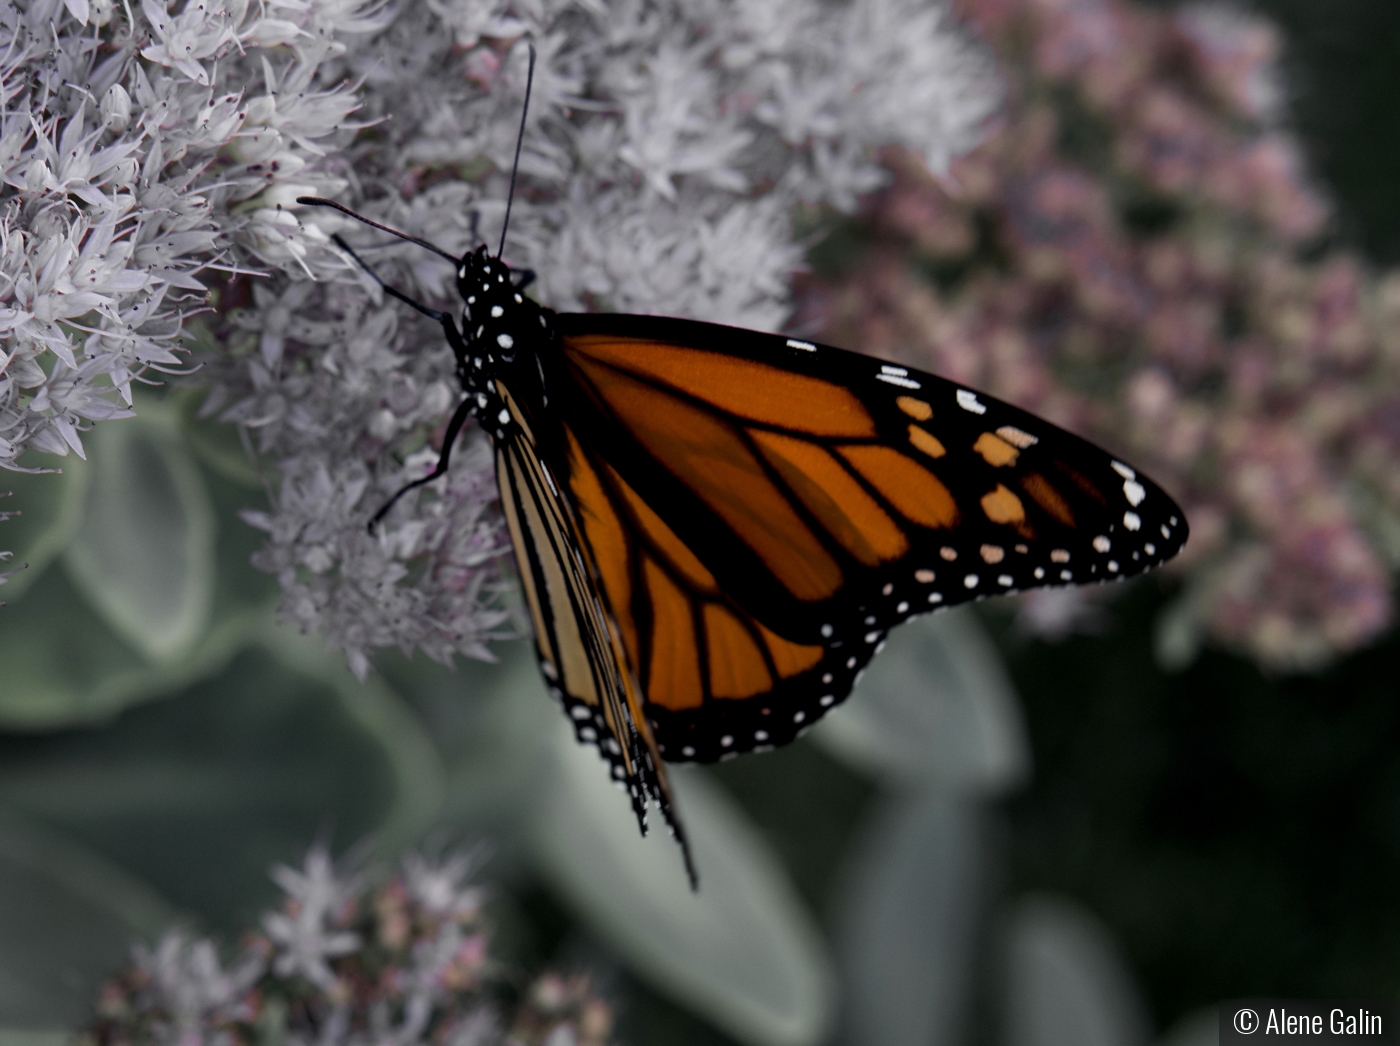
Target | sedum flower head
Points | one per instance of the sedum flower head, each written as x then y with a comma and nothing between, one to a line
667,147
344,964
135,149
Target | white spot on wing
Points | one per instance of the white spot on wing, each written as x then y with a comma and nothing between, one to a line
805,346
1102,544
1132,520
1134,492
968,401
1123,470
894,379
505,341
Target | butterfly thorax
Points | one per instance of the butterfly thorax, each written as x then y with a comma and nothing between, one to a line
502,333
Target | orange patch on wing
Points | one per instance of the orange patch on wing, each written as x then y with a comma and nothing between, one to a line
907,485
840,504
995,450
1044,494
751,390
926,441
665,539
791,659
915,408
737,668
1002,506
673,676
709,456
606,539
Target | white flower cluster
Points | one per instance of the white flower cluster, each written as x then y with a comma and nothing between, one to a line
135,149
668,144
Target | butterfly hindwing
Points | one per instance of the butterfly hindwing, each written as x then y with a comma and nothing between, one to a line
763,510
717,681
580,655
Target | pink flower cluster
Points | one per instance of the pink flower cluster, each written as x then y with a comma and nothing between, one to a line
342,965
1125,255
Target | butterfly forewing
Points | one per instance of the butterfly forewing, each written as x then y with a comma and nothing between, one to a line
763,511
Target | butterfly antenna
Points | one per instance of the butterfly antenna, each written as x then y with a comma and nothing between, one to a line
519,141
317,201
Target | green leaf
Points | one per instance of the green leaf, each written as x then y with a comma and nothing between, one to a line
143,553
912,917
418,779
1066,982
63,665
70,917
201,793
49,507
743,952
936,708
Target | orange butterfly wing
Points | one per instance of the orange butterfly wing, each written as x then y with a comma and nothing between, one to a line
759,512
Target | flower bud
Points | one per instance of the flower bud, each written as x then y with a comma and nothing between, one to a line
116,108
37,178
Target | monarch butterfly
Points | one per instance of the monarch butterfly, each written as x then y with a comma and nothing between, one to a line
716,528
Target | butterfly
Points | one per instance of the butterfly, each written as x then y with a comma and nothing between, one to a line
715,529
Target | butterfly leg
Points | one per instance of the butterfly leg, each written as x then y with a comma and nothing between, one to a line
392,292
454,429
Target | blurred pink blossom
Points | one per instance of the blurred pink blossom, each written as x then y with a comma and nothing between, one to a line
1149,291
